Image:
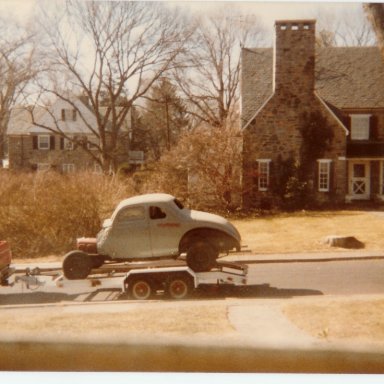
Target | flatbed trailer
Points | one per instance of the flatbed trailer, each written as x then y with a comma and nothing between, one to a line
141,281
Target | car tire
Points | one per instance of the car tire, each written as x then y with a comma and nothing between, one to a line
201,256
77,265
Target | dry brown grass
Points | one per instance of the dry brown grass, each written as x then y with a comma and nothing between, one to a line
304,231
171,321
350,319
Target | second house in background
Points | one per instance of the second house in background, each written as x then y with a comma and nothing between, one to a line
62,137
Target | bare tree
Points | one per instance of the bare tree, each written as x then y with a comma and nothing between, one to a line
375,13
203,167
17,68
349,28
162,119
210,77
110,53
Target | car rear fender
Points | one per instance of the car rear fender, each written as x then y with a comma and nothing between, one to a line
220,240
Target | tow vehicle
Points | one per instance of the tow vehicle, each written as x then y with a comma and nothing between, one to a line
142,281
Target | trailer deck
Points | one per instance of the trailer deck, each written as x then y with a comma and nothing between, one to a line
140,280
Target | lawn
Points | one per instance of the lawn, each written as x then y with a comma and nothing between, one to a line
304,231
301,231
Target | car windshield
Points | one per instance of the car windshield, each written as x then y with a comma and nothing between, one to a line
179,204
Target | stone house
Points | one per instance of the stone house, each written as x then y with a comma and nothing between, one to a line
321,108
71,148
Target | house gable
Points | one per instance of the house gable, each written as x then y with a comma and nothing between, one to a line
274,131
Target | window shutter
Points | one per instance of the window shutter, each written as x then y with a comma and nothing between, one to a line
332,176
63,114
61,143
34,142
374,130
347,122
316,184
52,142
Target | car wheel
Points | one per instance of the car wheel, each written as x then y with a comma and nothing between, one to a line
77,265
140,288
201,256
179,287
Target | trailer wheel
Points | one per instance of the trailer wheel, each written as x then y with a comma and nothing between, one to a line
201,256
140,288
179,287
77,265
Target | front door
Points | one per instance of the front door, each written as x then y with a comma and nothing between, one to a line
359,180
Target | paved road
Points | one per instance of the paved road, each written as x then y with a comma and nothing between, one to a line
327,278
274,280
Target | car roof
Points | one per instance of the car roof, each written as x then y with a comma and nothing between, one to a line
149,198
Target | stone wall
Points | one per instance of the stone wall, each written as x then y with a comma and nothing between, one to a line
275,131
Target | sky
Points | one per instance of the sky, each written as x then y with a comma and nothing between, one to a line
268,11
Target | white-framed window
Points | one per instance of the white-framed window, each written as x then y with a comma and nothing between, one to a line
92,142
68,168
360,127
68,114
97,168
41,167
68,144
43,142
263,174
324,175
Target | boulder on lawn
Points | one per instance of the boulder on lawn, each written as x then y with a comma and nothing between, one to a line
344,242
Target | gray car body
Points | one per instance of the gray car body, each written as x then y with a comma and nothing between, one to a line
154,226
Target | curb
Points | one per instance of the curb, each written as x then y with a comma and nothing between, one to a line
307,260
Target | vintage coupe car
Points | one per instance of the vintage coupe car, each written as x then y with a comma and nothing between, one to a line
150,227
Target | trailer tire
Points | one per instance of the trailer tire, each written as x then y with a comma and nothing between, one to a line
179,287
77,265
140,288
201,256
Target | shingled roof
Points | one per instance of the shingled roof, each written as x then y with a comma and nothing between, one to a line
346,77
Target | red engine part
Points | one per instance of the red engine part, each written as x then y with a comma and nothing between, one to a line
5,254
87,245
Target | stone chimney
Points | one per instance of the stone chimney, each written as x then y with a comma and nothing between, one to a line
294,57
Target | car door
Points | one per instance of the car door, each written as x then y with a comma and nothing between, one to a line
130,237
165,231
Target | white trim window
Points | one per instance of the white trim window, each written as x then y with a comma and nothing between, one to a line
68,114
97,168
43,142
92,142
360,127
68,168
68,144
324,175
42,167
263,170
